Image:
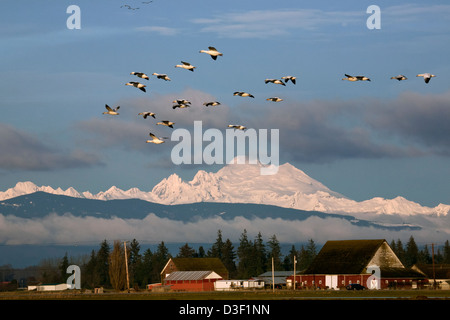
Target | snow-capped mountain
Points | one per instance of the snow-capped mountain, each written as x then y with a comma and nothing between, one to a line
243,183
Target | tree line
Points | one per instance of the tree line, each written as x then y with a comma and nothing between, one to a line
106,267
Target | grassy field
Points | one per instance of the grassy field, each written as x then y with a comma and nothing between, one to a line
236,295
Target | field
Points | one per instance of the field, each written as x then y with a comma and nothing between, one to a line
236,295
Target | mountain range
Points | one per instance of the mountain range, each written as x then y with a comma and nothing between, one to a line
243,183
289,204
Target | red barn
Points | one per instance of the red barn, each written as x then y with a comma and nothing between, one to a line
340,263
192,280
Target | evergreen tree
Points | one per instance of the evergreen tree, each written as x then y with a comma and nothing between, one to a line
228,258
424,256
201,252
146,270
63,268
134,263
216,248
90,277
275,253
288,262
244,252
446,254
186,252
400,251
259,256
411,253
102,264
160,258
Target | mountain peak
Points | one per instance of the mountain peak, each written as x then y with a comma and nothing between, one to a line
243,183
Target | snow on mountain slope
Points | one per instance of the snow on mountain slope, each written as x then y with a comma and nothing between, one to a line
243,183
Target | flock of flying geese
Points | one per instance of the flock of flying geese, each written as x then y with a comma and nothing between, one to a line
183,103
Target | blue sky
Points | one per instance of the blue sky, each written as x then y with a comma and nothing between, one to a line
365,139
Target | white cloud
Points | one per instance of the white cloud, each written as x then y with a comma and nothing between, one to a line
267,23
163,31
68,229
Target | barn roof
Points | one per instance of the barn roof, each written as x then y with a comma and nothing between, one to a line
200,264
344,257
192,275
440,271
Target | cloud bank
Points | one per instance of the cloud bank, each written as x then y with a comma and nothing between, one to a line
68,229
22,151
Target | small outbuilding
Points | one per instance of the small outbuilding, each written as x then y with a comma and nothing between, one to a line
191,280
49,287
231,285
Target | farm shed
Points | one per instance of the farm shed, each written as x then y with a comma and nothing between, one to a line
439,272
230,285
194,264
49,287
192,280
279,278
340,263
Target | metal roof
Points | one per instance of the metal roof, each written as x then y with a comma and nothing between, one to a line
192,275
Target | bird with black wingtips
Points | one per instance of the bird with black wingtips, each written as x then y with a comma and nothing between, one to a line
237,126
138,85
400,77
181,101
180,105
147,114
166,123
155,139
211,103
111,111
276,81
243,94
140,75
426,76
212,52
289,78
355,78
185,65
162,76
274,99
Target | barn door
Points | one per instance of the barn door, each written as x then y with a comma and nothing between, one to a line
331,281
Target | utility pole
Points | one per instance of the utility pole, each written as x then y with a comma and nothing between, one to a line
126,265
432,259
295,262
273,278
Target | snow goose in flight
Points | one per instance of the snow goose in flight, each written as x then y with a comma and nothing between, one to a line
212,52
161,76
276,81
185,65
274,99
236,126
181,101
211,103
426,76
136,85
287,78
243,94
140,75
166,123
400,77
155,139
111,111
147,114
355,78
180,105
